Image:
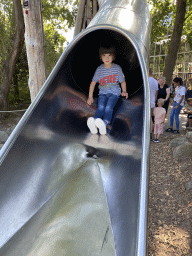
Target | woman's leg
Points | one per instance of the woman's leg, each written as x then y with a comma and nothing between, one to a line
172,114
111,102
101,106
177,112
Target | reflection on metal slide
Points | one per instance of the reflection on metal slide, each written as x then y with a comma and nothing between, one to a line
63,190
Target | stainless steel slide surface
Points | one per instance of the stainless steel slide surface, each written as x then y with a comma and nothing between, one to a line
63,190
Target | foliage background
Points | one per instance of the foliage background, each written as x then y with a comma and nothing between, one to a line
60,16
57,16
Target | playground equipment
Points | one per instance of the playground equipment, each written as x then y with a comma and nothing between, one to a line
63,190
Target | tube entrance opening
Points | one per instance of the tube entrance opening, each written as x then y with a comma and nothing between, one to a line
84,59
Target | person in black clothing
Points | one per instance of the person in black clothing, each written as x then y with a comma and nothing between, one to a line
163,92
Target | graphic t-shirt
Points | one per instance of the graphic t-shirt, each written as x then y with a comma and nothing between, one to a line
179,91
109,79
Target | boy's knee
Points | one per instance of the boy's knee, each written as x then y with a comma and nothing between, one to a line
101,108
108,109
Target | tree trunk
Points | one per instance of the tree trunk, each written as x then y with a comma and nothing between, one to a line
35,47
175,40
9,66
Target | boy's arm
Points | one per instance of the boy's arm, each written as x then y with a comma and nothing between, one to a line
91,90
124,89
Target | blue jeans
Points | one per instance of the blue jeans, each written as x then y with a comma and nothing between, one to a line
175,113
105,106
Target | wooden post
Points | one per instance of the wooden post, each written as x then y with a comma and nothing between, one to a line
79,19
95,7
35,46
86,11
89,13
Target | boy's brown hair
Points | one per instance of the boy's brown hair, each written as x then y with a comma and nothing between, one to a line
105,50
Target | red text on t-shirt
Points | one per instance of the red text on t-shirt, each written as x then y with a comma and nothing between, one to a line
108,79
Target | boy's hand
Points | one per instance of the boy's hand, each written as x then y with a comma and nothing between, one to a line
90,100
124,94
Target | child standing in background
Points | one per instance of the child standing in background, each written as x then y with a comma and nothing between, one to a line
109,75
159,118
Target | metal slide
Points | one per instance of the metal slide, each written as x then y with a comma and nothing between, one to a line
64,191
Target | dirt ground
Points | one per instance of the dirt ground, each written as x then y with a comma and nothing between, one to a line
170,203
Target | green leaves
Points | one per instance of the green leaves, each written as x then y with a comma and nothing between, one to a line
58,16
60,13
188,23
162,18
163,14
54,45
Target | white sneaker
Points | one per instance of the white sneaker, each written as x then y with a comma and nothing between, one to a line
101,126
91,125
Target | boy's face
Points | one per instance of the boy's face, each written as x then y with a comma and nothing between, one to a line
107,58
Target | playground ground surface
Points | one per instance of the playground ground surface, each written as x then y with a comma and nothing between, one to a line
170,203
